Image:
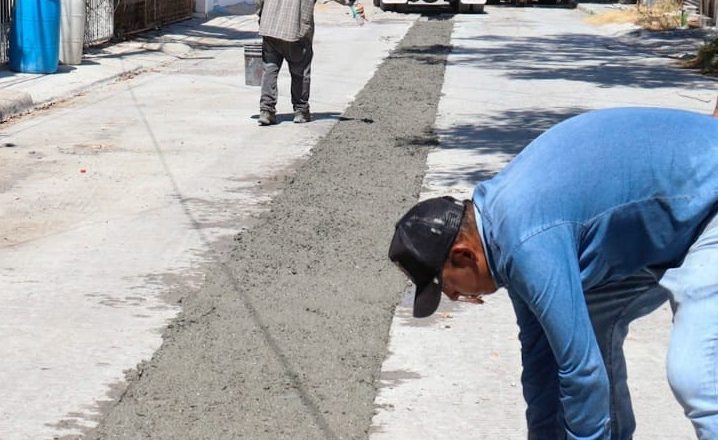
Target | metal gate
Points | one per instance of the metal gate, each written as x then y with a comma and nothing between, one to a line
5,13
99,21
133,16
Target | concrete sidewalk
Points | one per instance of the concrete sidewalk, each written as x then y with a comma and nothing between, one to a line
24,92
512,74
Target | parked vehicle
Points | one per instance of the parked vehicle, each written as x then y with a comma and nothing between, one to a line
462,6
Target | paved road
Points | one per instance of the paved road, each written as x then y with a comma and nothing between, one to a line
511,74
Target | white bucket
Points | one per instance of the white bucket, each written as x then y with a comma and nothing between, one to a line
72,31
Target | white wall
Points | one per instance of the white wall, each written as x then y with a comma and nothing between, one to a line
205,7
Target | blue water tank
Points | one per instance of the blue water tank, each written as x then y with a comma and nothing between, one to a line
35,36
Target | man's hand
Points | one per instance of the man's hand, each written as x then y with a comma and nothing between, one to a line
471,299
260,5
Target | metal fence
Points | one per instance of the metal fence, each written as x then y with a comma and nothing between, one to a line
5,8
99,21
133,16
119,18
708,8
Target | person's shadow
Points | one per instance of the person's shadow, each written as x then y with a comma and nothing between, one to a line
318,116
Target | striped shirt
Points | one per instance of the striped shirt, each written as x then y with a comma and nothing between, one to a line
288,20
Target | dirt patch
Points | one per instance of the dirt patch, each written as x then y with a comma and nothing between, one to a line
663,15
624,15
287,337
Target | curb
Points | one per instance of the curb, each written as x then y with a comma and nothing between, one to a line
13,103
16,103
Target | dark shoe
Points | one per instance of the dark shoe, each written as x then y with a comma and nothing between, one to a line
267,118
302,116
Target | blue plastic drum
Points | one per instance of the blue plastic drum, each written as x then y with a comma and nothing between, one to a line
35,36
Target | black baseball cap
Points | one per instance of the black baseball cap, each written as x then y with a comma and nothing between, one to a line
421,243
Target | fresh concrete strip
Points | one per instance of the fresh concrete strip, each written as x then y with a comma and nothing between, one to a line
286,337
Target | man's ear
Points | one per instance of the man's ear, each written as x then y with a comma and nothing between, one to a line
462,255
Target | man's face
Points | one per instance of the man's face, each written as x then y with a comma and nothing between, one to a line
466,275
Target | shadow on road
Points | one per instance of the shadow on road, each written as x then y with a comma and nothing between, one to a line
503,134
194,33
316,116
601,60
223,36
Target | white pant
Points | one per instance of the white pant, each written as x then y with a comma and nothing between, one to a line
693,351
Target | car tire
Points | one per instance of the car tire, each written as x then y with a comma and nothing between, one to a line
385,6
464,8
477,9
376,3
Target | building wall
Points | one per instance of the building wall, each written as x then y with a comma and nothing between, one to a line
206,7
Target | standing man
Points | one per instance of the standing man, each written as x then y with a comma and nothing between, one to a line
596,223
287,30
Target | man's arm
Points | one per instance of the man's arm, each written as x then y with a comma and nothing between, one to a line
539,378
544,273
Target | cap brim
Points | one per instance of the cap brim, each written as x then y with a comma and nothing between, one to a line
427,299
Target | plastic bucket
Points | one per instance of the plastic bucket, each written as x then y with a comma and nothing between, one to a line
35,36
253,65
72,31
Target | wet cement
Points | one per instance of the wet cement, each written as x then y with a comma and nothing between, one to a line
287,337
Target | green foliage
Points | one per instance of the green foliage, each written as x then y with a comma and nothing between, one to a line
706,59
